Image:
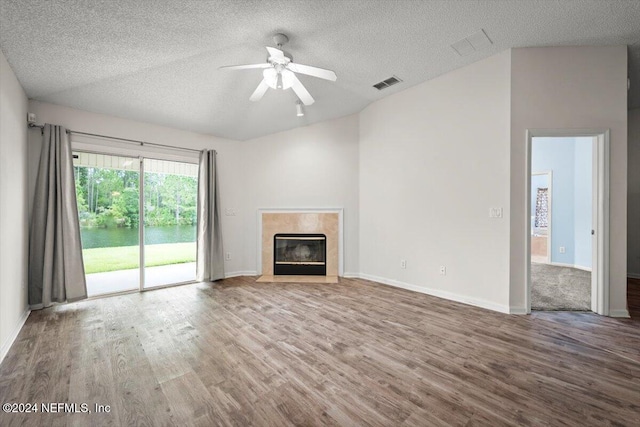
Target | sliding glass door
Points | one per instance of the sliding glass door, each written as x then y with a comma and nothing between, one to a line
109,202
170,196
107,191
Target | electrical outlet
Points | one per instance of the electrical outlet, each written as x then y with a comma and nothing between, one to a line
228,256
403,263
443,270
495,212
562,249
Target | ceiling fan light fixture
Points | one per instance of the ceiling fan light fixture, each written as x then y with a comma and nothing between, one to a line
299,109
287,79
270,77
279,72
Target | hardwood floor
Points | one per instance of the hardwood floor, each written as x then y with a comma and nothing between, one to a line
354,353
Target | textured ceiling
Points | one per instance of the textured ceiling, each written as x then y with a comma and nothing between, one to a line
158,61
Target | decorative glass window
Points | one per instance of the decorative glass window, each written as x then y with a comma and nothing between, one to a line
542,208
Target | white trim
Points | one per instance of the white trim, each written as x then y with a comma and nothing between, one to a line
633,275
351,275
562,264
477,302
602,230
619,313
141,237
518,310
527,227
240,273
595,212
600,264
6,346
339,211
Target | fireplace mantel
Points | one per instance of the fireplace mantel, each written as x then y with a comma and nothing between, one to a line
328,221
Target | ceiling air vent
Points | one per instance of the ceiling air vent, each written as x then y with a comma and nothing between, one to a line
475,42
386,83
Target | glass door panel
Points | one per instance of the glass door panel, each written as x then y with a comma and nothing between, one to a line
107,192
170,215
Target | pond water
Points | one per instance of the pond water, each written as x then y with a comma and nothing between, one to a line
110,237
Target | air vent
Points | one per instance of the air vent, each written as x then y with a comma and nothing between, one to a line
473,43
386,83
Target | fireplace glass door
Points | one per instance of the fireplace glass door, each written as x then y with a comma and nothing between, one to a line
300,254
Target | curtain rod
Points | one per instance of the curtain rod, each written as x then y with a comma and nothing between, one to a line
130,141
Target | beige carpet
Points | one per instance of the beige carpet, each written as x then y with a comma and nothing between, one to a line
556,288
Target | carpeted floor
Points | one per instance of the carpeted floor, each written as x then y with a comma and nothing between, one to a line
556,288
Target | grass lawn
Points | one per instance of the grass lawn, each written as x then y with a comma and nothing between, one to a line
99,260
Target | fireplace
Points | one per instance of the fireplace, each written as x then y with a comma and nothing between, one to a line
300,254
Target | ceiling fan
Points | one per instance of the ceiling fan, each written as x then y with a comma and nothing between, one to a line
279,72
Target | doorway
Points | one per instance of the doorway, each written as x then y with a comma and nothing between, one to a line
116,216
567,229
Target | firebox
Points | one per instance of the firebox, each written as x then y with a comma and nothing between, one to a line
300,254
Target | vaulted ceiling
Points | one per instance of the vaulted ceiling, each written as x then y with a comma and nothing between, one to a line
158,62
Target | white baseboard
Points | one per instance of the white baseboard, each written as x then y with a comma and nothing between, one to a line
633,275
579,267
240,273
477,302
14,334
619,313
351,275
518,310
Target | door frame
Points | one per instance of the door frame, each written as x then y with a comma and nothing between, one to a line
600,219
550,209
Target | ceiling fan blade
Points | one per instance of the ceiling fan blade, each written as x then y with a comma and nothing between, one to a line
259,92
301,91
276,54
312,71
245,67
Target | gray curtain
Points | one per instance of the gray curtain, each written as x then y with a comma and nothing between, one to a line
56,271
210,259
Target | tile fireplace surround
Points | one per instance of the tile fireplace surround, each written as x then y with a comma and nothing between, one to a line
316,221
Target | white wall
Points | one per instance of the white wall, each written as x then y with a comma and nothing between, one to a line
314,166
14,228
433,160
230,163
633,210
569,88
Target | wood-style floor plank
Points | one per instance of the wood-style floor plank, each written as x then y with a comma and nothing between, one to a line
239,353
